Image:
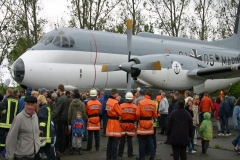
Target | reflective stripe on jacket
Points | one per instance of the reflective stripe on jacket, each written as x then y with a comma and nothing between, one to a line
93,109
45,122
146,112
128,118
113,109
11,111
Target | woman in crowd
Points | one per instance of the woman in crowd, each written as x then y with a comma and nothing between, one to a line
195,116
222,113
44,120
189,108
35,94
216,110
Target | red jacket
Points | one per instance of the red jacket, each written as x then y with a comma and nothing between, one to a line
216,109
206,104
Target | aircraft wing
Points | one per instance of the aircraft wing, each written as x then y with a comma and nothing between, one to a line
229,71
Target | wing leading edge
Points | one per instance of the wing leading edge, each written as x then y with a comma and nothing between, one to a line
229,71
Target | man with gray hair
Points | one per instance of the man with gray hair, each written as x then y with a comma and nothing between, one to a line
141,97
23,137
163,110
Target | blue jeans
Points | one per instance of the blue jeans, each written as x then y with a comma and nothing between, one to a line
236,141
142,140
191,145
224,123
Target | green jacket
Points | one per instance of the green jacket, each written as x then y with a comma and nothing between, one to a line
76,105
206,129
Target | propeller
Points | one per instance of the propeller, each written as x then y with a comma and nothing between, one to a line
133,66
129,44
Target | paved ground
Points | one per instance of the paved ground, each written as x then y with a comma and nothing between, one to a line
220,149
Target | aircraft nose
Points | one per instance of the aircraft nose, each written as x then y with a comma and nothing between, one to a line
18,70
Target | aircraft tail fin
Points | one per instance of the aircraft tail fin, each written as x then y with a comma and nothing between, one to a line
234,40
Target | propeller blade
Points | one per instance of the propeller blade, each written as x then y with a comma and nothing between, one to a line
129,37
148,66
129,43
110,68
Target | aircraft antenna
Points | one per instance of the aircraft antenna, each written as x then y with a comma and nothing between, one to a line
129,44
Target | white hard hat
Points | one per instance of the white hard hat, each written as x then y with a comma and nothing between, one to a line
93,93
129,96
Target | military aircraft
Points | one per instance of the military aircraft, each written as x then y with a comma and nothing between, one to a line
84,59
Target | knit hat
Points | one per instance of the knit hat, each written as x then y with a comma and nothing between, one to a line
114,91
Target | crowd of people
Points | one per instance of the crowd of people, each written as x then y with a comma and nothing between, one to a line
37,122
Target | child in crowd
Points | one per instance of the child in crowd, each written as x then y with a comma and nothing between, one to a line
206,131
77,133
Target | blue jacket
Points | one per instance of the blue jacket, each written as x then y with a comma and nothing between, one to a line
78,127
103,100
21,104
223,109
236,117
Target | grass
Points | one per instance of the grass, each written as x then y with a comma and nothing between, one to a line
218,147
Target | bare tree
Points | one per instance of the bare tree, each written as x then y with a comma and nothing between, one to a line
171,15
91,13
7,27
203,19
226,16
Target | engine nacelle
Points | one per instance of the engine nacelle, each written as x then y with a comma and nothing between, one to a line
173,73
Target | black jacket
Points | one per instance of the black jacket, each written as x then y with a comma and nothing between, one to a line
179,127
60,113
4,106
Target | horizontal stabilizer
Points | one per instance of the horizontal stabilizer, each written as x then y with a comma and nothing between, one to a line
148,66
110,68
229,71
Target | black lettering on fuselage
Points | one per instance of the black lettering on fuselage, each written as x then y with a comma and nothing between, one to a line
209,58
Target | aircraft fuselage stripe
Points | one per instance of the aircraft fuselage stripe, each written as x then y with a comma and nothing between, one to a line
96,48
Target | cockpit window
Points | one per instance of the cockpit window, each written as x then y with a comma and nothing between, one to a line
42,39
49,40
72,42
57,41
65,42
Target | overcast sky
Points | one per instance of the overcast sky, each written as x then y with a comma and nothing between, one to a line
54,10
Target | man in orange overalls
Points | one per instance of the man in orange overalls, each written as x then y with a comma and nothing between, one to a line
127,124
113,130
93,109
146,112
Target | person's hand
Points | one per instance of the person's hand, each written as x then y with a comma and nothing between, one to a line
40,132
159,115
82,135
235,126
75,134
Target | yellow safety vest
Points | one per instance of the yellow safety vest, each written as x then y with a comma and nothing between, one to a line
48,126
155,120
